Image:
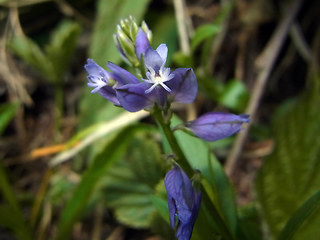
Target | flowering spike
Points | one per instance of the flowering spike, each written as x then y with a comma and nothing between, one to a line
159,87
183,202
214,126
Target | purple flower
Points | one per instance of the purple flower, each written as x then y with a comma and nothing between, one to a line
214,126
183,201
105,82
161,86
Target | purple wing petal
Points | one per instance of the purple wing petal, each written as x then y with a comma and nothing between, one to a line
163,52
94,69
179,187
184,85
132,97
183,201
184,231
122,76
172,211
142,43
98,75
110,94
215,126
153,60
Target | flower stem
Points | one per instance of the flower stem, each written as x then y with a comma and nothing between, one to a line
179,155
211,210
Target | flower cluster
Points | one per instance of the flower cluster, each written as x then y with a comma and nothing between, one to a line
158,88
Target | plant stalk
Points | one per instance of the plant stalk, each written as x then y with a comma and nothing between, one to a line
210,208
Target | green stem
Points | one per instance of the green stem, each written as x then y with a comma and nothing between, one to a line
179,155
211,211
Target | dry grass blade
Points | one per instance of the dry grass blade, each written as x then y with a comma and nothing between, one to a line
119,122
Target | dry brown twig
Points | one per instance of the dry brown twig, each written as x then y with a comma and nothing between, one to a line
9,73
264,65
180,12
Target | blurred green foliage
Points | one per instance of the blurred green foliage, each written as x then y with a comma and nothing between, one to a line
202,33
131,183
75,206
125,169
54,61
11,214
302,217
290,175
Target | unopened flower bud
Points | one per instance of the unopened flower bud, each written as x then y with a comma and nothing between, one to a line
132,40
183,201
214,126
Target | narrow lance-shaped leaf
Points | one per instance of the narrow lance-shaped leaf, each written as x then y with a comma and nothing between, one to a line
296,221
7,112
61,49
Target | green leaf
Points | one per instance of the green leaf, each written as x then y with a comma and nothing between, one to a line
60,189
182,60
289,175
250,222
7,112
300,217
129,185
161,227
235,96
11,215
55,60
136,214
12,219
210,86
31,53
61,49
80,197
203,32
162,207
7,191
